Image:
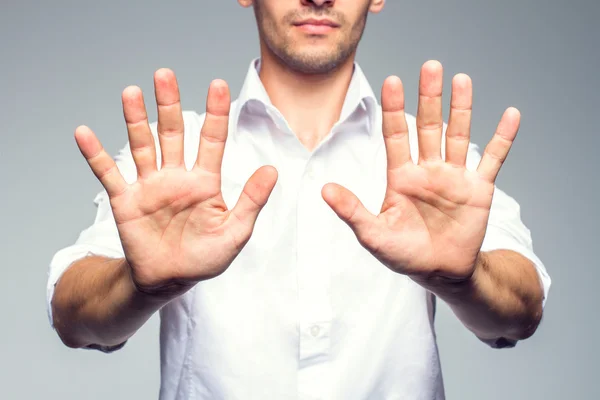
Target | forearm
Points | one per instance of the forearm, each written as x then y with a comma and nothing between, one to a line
96,302
503,298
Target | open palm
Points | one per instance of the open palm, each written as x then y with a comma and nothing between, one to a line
435,212
173,223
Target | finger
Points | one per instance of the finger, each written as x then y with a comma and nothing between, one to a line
395,129
214,130
458,132
497,149
170,118
253,198
350,210
429,113
141,141
102,165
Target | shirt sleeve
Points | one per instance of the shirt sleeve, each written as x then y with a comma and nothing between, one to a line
506,230
101,238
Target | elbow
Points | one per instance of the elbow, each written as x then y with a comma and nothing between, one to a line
535,315
70,342
68,339
533,322
530,323
65,327
532,311
76,336
66,335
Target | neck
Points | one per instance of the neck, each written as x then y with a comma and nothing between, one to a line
311,104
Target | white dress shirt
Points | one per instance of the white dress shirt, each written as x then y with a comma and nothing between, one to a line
304,312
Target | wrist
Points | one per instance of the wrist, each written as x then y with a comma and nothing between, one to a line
456,290
159,294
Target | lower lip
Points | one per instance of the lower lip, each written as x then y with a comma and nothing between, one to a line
315,29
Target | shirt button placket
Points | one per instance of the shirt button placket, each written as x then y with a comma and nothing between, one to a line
315,330
314,302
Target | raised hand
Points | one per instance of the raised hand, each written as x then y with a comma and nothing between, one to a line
434,216
173,223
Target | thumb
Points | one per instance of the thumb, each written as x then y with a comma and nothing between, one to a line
254,197
350,210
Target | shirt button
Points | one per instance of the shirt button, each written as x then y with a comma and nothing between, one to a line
310,172
315,330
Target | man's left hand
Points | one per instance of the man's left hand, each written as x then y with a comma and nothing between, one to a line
434,216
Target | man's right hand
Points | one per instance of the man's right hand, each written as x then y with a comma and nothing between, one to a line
173,223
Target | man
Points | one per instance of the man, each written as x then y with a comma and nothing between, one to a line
296,239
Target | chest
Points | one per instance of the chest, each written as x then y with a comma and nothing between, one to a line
296,226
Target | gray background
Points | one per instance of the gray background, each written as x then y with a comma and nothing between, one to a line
65,63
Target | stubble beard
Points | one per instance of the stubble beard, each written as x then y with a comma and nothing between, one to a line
308,62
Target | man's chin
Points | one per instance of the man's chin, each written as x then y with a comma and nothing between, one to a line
314,68
311,63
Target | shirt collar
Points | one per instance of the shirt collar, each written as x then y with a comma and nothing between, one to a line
359,95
